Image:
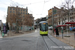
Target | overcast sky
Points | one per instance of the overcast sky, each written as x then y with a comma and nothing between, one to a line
39,8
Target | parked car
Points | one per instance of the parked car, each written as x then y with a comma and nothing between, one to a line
50,28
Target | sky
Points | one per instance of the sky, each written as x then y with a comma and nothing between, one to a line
39,8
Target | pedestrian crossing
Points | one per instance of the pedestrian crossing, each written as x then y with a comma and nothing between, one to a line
36,30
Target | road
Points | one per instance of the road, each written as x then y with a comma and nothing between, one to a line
33,41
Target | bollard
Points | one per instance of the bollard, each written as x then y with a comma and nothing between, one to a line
62,33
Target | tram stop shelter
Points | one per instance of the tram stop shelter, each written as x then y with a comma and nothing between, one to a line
61,25
66,25
72,24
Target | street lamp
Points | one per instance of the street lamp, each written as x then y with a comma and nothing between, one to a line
52,20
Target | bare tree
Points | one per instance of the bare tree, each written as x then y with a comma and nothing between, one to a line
29,20
18,20
15,18
67,5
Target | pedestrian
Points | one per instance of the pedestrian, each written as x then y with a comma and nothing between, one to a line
7,27
57,32
54,31
4,29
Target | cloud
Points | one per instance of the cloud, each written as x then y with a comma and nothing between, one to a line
2,16
38,8
3,9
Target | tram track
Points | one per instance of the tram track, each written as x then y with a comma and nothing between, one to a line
54,43
45,43
47,46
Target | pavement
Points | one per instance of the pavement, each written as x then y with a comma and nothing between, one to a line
70,39
13,33
33,41
0,35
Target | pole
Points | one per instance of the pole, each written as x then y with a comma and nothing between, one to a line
68,12
17,29
62,32
52,20
68,19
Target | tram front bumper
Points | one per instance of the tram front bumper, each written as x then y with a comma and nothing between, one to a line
43,32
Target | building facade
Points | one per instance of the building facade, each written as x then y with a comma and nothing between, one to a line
55,15
17,16
61,16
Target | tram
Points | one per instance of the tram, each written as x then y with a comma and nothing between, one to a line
43,28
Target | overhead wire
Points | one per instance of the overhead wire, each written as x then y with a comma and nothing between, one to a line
43,7
30,4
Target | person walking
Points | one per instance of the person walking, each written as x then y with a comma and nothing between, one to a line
7,27
57,32
54,31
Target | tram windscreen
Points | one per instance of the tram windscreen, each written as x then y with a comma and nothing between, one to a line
44,27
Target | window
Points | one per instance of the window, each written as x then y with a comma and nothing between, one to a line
71,17
10,11
10,8
59,22
26,10
23,9
13,9
44,27
21,12
62,22
65,18
26,13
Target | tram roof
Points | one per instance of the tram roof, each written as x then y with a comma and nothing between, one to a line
43,22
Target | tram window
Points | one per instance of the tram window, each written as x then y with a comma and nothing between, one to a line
43,27
46,26
40,26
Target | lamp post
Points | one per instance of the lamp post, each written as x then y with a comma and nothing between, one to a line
53,20
62,32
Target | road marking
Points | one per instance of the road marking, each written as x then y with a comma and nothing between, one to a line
0,35
35,30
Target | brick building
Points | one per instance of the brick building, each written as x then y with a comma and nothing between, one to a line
17,16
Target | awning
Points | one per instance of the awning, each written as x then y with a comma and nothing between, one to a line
61,25
70,23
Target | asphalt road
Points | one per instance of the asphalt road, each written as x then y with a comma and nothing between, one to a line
32,41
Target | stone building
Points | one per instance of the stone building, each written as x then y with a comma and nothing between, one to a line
55,15
17,16
61,15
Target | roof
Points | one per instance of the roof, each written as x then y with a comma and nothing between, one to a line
60,25
43,22
70,23
64,25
